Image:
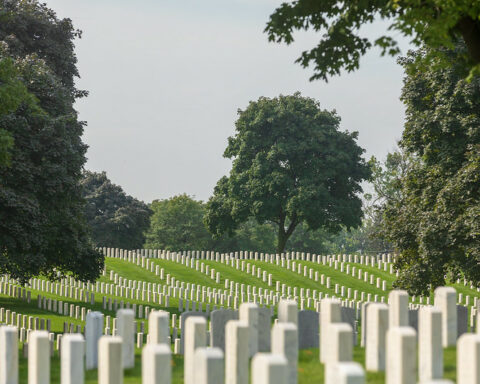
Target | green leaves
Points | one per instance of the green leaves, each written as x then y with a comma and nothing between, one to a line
435,24
430,221
291,164
42,223
116,219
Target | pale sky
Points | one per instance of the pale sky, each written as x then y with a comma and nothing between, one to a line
166,78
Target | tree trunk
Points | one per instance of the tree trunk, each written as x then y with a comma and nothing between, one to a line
281,239
470,31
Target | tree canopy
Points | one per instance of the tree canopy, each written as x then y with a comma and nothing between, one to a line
116,219
434,223
42,224
177,224
432,23
291,165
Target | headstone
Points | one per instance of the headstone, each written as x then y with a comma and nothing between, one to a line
339,347
209,366
8,355
195,337
462,320
93,332
413,318
308,329
288,311
236,352
72,369
249,314
468,359
430,351
183,318
330,313
269,369
158,327
446,301
348,373
348,316
156,364
110,368
125,329
401,366
39,358
264,329
285,342
375,345
218,321
398,309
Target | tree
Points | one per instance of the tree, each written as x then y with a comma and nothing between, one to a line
431,23
291,165
116,219
249,236
42,225
12,94
177,224
435,224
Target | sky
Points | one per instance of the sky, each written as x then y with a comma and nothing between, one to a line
167,77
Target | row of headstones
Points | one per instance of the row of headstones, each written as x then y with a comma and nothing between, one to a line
254,323
328,286
184,260
343,290
336,339
245,255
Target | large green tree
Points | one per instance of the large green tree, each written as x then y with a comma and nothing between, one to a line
42,224
433,23
116,219
434,223
177,224
291,165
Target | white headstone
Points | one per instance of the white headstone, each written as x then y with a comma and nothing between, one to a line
72,368
285,342
195,337
269,369
158,327
110,369
125,329
446,301
430,351
156,364
39,358
249,314
375,341
8,355
93,332
209,366
401,367
468,359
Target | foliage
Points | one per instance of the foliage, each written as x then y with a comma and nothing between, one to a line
116,219
12,93
435,222
42,225
249,236
291,165
433,23
177,224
